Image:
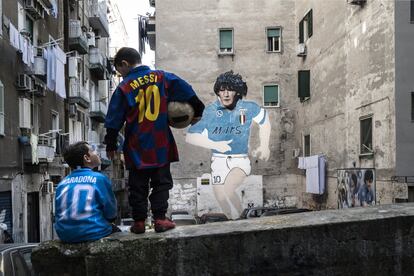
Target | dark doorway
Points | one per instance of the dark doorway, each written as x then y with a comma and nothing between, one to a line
33,222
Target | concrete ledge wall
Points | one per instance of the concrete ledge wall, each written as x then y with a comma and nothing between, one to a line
361,241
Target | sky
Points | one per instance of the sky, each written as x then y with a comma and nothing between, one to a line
129,10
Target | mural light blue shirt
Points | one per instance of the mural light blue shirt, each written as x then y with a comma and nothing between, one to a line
85,203
223,124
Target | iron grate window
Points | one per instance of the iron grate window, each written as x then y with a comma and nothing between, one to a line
366,135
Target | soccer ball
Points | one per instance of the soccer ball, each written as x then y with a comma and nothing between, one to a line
180,114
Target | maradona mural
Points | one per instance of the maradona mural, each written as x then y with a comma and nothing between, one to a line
225,129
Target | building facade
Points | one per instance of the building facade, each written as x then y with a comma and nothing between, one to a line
55,78
332,77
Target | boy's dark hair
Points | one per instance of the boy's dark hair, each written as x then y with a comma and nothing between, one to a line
74,153
368,176
128,54
231,82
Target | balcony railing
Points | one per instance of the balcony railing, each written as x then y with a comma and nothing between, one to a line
98,19
77,38
98,111
97,63
78,94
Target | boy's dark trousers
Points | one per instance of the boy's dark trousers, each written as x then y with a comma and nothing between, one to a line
139,182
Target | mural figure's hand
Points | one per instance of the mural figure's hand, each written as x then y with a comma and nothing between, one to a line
261,153
222,146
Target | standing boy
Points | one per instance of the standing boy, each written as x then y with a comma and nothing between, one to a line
141,101
85,202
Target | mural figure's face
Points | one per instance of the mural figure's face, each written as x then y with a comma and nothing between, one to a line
227,97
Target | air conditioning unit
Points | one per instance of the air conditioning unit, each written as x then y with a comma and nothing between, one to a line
91,39
39,68
24,82
357,2
25,113
295,153
73,110
48,187
301,50
30,5
39,88
73,67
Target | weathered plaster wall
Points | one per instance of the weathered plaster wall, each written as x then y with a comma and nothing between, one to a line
404,87
351,59
187,44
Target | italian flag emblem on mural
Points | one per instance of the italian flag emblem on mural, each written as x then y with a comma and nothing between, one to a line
242,116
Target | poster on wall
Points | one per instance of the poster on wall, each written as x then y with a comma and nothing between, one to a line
356,187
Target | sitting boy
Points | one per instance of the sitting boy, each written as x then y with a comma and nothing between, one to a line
85,202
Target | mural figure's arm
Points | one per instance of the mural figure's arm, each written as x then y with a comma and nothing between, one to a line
202,140
263,151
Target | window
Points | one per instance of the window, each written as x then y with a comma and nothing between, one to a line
412,11
412,106
303,85
366,135
226,41
306,145
1,108
273,39
271,95
306,27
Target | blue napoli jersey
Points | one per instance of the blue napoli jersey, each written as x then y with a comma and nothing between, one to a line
223,124
84,203
141,101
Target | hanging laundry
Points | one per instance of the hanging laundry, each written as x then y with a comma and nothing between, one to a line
60,72
315,173
51,68
14,36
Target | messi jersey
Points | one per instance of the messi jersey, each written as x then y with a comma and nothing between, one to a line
141,101
84,203
222,124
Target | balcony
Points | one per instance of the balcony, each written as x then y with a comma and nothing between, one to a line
78,94
45,150
77,39
151,32
98,111
97,63
98,19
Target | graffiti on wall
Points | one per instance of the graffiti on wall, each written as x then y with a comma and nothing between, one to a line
225,130
356,187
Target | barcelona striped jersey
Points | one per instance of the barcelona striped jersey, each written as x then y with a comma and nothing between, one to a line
141,101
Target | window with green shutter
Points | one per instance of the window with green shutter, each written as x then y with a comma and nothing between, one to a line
306,27
273,39
307,145
304,84
1,108
226,41
271,95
